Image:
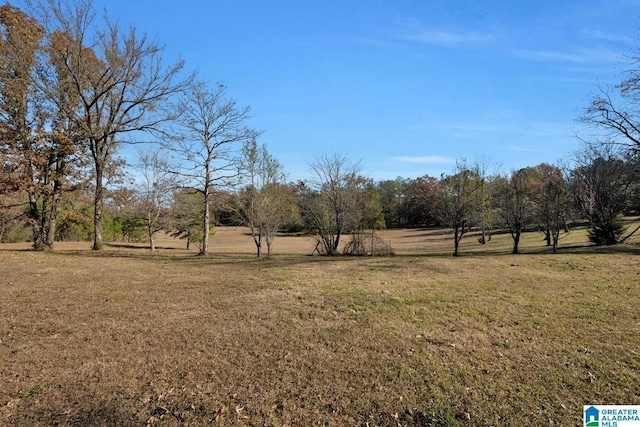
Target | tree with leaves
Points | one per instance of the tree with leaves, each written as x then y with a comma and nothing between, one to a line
553,203
393,193
117,77
22,151
517,202
460,201
186,216
423,201
600,183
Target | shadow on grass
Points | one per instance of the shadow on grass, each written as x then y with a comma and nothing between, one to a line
139,247
240,260
100,414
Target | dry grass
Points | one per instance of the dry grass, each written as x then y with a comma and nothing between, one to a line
125,337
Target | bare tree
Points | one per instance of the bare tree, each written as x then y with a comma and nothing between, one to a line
327,200
265,203
208,136
155,192
118,78
365,217
616,112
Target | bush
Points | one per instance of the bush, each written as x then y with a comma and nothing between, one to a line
607,233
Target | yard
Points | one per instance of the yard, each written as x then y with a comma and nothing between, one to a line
126,337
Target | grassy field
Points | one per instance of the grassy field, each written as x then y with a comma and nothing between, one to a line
126,337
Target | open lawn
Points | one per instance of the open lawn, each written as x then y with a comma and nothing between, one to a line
126,337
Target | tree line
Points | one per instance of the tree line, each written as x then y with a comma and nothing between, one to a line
75,89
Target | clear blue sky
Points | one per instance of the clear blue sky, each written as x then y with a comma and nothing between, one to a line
406,86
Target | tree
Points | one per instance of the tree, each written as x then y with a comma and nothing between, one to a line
392,197
155,192
22,152
552,200
517,202
460,201
600,183
186,216
616,111
424,201
209,134
265,203
486,209
118,78
11,227
328,200
366,217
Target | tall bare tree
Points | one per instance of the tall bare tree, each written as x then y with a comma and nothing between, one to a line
207,139
118,77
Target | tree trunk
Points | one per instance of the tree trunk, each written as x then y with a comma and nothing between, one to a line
516,241
204,249
98,204
257,240
36,228
456,240
547,235
53,213
152,244
334,248
269,239
51,230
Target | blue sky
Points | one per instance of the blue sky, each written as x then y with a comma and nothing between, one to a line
405,86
